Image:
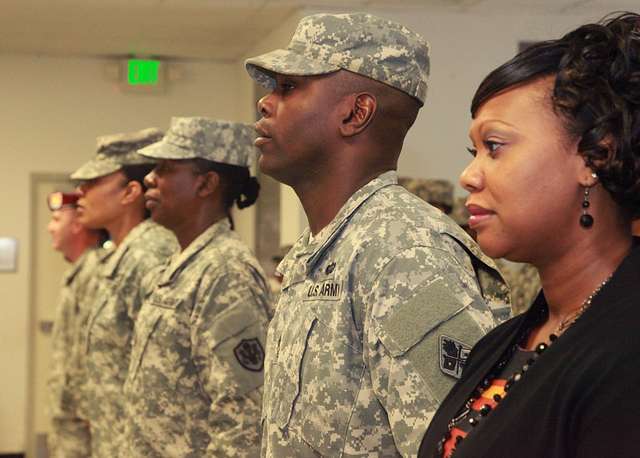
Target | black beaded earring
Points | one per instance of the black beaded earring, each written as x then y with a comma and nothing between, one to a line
586,220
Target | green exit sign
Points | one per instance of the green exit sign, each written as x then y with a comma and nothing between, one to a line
143,72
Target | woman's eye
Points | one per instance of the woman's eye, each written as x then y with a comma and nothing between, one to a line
472,151
492,147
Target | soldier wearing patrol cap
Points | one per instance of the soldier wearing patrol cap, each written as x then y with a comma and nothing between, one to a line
380,301
195,381
112,197
70,436
437,192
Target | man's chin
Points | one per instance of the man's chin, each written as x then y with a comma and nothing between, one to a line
162,220
268,167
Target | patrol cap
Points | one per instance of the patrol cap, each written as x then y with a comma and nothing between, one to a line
57,200
358,42
116,151
460,214
432,190
196,137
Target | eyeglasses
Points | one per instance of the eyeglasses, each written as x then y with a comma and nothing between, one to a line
57,200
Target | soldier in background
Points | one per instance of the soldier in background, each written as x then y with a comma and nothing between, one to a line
70,434
522,278
380,301
275,279
112,197
195,381
437,192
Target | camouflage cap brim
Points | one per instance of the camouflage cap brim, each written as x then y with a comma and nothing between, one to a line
95,168
164,150
284,62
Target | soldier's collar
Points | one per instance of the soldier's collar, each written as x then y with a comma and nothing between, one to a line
314,250
75,268
113,262
179,260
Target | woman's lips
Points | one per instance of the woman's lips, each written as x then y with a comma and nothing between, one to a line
478,215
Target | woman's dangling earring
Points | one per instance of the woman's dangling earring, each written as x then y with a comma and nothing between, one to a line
586,220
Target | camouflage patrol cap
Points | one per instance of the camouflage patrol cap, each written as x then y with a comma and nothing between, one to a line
434,191
116,151
460,214
361,43
216,141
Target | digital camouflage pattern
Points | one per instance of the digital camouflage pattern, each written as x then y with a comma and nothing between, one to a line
361,43
375,319
70,436
460,214
195,381
107,343
217,141
116,151
432,190
524,283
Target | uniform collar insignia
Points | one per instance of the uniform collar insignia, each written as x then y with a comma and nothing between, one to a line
181,259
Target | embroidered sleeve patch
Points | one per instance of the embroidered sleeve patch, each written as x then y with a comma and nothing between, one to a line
453,356
250,354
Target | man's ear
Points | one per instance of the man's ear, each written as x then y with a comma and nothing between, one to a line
356,113
132,192
209,183
76,227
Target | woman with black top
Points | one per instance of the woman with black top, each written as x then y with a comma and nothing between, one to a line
555,181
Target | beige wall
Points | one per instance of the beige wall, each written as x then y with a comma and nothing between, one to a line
51,111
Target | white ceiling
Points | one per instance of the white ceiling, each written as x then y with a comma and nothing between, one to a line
200,29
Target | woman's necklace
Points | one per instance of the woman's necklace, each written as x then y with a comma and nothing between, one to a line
564,324
571,317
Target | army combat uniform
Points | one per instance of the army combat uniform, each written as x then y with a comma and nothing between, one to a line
195,381
109,333
524,283
70,436
376,317
116,301
437,192
378,311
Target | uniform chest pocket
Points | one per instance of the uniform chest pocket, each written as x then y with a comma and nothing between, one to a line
92,321
148,320
317,382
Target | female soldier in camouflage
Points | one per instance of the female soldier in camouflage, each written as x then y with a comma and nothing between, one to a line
195,380
113,198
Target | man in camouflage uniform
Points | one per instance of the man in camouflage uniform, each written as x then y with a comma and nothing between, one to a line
70,436
380,301
195,380
437,192
113,199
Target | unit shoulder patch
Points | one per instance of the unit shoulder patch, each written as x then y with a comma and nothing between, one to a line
453,356
250,354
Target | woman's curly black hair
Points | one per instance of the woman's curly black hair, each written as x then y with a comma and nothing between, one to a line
596,93
238,184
